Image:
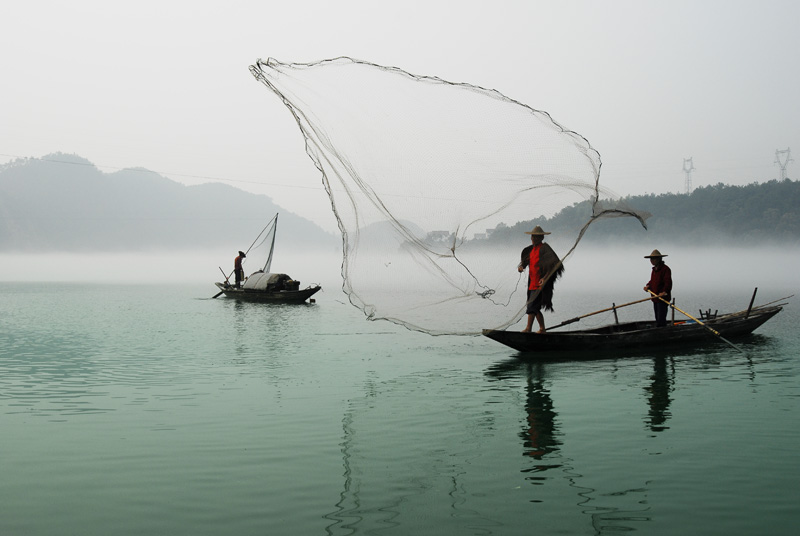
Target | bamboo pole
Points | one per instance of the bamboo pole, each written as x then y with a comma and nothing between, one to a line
613,307
712,330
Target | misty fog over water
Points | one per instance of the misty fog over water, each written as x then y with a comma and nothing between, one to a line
179,267
693,268
612,274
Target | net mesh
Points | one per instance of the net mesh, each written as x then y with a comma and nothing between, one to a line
423,175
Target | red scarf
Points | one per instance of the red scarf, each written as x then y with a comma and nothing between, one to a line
533,268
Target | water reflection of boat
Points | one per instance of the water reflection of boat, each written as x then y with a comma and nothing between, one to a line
543,440
264,286
642,334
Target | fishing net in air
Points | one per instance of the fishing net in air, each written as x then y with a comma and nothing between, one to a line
432,184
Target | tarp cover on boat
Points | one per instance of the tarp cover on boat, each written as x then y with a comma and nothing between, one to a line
265,281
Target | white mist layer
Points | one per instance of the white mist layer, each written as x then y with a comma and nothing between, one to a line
616,273
180,267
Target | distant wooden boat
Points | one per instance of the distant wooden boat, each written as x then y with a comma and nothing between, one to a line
263,285
291,294
634,335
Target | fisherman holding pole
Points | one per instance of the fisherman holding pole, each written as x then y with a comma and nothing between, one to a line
237,268
660,285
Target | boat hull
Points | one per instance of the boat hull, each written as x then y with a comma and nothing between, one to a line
634,335
268,296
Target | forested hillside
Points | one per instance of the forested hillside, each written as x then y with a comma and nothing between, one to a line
767,213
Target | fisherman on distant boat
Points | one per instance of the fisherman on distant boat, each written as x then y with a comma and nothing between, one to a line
660,284
544,267
237,268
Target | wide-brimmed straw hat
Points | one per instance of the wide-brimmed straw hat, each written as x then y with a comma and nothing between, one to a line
655,253
537,231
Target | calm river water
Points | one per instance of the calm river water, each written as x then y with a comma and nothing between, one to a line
133,410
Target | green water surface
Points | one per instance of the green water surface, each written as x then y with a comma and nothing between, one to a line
132,410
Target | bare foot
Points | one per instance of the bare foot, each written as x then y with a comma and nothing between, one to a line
526,330
540,331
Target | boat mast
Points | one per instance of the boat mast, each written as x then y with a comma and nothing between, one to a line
272,245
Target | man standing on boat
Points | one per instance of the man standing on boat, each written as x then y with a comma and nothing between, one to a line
544,267
660,284
237,268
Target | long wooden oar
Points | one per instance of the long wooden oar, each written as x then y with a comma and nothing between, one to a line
773,301
712,330
571,320
218,294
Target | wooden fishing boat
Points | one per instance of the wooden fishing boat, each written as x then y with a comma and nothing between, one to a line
290,293
641,334
263,285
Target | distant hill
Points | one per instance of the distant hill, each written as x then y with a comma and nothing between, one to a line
756,214
64,203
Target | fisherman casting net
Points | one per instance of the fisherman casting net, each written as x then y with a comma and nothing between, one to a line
426,177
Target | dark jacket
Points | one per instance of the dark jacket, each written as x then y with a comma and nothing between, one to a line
549,269
661,281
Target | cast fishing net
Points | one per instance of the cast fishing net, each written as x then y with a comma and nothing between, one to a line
432,184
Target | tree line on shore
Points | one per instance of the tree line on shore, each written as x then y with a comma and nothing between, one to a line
755,214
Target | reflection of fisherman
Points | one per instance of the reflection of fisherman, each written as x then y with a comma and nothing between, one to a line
544,267
540,435
660,284
658,395
237,268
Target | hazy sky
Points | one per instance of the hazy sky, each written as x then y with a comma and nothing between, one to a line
165,84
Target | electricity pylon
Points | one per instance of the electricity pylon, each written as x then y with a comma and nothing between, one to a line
782,165
688,170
